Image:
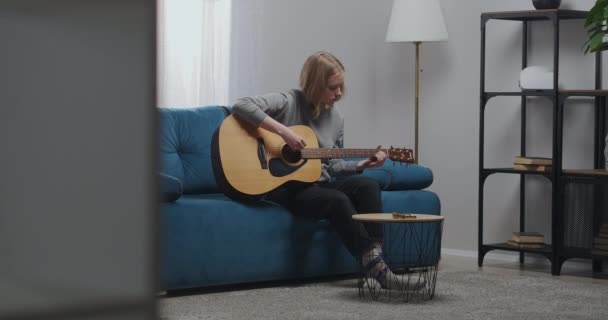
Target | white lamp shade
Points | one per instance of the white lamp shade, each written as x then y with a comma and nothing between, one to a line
416,21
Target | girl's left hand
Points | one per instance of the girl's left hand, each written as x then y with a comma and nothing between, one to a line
375,161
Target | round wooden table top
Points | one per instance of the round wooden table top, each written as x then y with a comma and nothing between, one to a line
397,217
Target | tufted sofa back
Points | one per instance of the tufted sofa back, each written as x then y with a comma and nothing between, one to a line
185,146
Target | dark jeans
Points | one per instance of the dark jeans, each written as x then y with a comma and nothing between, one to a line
337,202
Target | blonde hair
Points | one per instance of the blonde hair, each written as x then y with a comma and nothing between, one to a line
316,71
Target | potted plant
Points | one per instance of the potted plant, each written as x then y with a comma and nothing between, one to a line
595,24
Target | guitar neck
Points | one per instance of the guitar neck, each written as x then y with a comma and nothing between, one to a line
324,153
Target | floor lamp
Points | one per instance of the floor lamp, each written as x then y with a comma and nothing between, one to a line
416,21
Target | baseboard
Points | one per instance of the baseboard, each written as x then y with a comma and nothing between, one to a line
508,256
502,256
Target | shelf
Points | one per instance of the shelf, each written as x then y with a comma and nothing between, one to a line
585,172
586,175
511,170
584,93
504,246
559,178
531,15
548,92
526,93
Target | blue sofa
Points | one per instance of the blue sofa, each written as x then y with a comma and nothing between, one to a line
207,239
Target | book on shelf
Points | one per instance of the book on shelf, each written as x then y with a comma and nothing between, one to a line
603,233
533,160
599,240
532,167
526,245
600,246
528,237
599,252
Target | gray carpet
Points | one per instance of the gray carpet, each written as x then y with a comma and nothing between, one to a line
458,295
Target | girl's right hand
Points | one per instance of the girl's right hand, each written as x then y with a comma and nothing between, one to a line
294,140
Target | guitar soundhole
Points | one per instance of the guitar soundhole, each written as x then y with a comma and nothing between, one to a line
290,155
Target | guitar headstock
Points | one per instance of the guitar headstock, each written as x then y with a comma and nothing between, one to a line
401,155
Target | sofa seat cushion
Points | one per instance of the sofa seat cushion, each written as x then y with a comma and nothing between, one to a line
211,240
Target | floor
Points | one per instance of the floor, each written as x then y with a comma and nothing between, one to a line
502,289
534,265
576,270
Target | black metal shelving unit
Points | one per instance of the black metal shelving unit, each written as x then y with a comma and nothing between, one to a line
561,180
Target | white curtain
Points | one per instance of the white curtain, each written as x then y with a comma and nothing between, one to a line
193,52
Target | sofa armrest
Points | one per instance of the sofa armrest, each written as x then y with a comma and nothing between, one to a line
170,187
398,176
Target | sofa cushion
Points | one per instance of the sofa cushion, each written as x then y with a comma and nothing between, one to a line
414,201
209,239
185,145
398,176
170,187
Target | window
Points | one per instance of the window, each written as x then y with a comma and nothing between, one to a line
193,52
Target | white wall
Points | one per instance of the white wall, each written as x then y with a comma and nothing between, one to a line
275,36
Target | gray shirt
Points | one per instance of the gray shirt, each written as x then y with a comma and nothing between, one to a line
291,108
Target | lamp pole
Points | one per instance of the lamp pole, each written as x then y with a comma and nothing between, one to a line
417,43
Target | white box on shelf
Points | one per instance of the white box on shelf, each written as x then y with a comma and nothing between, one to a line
535,78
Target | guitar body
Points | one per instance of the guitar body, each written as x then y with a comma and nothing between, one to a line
249,162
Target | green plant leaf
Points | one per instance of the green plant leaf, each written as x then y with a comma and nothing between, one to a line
594,35
596,27
596,13
593,29
595,41
603,46
596,32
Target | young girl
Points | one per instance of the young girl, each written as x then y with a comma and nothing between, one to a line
321,86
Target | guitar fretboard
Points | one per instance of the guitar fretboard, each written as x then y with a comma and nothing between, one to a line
322,153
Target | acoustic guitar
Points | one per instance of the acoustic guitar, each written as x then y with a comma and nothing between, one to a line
249,162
